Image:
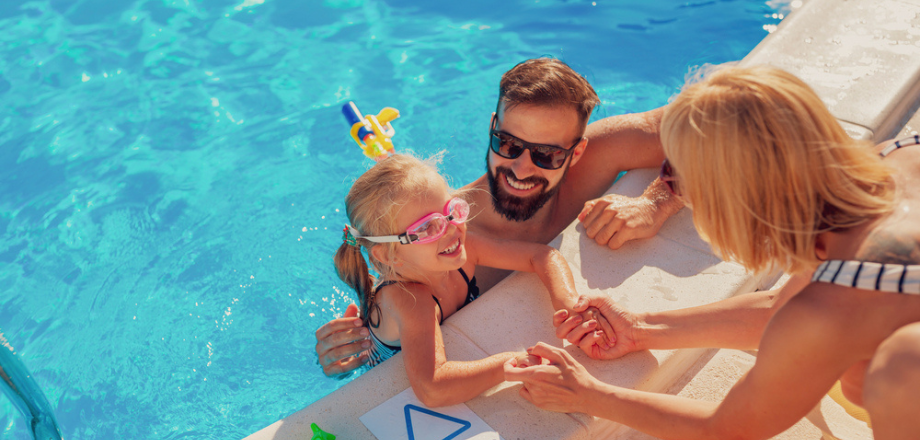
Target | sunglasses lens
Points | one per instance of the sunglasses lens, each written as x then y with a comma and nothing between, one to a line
667,175
506,146
548,158
543,156
672,185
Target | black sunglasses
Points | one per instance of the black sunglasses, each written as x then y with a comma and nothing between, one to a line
547,157
667,176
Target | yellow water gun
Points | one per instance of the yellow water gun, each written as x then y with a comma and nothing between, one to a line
372,133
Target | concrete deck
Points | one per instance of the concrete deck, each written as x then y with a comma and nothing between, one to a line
862,57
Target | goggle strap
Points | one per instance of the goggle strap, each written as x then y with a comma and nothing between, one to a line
382,239
401,238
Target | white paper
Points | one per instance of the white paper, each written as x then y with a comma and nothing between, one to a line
405,417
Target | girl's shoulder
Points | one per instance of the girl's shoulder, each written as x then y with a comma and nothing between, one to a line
400,304
401,298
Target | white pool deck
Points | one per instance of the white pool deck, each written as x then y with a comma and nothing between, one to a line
863,58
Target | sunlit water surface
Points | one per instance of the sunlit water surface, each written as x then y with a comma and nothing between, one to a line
172,175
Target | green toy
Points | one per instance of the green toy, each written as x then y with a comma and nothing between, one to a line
319,434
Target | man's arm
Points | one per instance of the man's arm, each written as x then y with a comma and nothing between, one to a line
616,144
628,141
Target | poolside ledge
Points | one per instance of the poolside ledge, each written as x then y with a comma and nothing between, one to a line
862,57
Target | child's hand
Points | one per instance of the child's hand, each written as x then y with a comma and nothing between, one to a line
525,360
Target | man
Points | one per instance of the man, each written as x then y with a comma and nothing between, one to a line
540,176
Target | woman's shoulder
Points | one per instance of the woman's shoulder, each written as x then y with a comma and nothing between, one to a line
904,156
824,312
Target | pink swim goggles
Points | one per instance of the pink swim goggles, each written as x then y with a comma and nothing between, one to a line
428,228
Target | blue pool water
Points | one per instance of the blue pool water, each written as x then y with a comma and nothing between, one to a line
172,175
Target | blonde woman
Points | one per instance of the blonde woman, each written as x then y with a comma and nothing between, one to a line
773,180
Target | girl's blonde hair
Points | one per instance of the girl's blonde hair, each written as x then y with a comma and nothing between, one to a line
766,167
372,206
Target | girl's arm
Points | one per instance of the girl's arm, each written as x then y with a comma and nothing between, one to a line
547,262
804,350
435,380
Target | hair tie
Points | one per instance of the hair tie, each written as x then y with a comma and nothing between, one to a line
348,237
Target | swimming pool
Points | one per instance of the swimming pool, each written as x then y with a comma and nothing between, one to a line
173,174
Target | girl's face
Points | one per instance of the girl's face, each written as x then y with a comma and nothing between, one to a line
445,254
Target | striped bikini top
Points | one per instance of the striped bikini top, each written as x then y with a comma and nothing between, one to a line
381,351
884,277
895,278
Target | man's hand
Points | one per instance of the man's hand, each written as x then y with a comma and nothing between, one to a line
613,220
340,341
584,333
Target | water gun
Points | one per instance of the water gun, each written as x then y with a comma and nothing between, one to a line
372,133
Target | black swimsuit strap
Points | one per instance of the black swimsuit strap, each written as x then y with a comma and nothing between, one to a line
384,284
472,290
440,321
465,278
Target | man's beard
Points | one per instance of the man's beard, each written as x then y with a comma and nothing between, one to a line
515,208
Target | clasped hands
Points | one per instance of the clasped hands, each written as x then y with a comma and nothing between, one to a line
553,379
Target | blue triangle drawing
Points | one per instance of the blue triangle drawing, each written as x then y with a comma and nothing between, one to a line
464,425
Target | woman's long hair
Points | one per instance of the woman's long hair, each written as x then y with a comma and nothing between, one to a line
766,167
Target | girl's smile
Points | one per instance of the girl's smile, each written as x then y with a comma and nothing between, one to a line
453,249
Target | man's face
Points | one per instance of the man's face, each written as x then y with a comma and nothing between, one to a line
519,188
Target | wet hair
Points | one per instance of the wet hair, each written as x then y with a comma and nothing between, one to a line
766,167
372,205
547,82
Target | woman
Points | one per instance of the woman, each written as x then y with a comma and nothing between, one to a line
773,180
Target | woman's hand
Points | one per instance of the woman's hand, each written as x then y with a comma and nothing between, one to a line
561,385
618,325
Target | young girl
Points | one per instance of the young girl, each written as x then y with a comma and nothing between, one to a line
413,228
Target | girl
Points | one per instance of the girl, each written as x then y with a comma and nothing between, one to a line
413,228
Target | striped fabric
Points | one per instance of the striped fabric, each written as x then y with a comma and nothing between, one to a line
906,142
895,278
379,351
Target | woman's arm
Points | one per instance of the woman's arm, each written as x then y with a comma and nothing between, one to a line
803,352
435,380
736,322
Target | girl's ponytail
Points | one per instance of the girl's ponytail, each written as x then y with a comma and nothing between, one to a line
351,267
